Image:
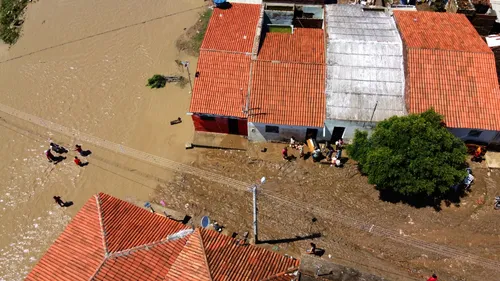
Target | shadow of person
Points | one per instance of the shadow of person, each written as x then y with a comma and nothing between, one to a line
85,153
67,204
84,164
58,159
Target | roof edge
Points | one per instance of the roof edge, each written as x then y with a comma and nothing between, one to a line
289,271
198,232
101,223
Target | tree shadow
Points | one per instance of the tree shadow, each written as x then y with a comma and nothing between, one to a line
422,201
289,240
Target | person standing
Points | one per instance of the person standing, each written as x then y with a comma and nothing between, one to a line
433,278
284,153
78,148
77,161
49,155
59,201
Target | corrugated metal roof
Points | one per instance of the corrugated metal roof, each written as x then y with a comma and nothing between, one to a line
364,65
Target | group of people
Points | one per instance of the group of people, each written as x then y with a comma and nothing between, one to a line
337,149
61,150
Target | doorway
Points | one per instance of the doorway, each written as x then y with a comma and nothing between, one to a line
233,126
311,133
338,133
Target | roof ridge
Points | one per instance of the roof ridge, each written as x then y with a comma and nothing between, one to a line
291,62
103,232
227,52
450,50
101,223
147,245
198,231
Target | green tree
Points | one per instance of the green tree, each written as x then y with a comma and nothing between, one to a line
411,155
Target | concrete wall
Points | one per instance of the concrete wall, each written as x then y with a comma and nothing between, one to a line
350,128
485,137
257,132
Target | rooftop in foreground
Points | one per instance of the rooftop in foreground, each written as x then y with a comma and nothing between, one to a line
110,239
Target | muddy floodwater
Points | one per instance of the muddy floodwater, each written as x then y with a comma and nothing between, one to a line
84,65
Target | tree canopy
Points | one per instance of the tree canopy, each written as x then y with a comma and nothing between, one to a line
411,155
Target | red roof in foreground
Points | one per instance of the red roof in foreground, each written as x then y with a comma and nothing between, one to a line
288,80
110,239
450,68
232,29
222,85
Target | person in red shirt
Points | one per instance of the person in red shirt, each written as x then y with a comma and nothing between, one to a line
78,148
433,278
284,152
77,161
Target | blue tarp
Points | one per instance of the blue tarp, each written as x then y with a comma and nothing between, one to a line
218,2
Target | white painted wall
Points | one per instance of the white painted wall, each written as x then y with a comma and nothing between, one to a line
462,133
257,132
350,128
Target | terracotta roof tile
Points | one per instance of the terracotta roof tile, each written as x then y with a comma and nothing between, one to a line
144,263
445,31
450,68
230,262
232,29
288,94
222,85
127,226
77,253
304,45
461,86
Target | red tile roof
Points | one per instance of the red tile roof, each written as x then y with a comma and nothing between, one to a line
288,80
222,85
450,68
304,45
288,94
445,31
79,254
232,29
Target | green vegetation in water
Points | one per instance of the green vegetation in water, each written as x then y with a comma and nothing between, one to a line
192,40
413,156
280,29
157,81
11,12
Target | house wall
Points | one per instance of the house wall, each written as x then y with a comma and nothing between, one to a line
257,132
219,125
485,137
350,128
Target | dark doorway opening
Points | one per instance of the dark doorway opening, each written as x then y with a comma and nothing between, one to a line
311,133
233,126
338,133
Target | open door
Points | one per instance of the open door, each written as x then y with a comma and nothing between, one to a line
338,133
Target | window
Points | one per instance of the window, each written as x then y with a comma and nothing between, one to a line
272,129
474,133
207,118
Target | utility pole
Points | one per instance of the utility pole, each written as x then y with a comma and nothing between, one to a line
254,191
186,65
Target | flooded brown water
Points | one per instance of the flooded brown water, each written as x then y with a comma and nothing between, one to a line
84,65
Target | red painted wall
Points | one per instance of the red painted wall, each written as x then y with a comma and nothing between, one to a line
219,125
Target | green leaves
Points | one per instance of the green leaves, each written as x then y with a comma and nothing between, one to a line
411,155
157,81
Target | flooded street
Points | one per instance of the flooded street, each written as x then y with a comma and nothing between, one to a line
84,65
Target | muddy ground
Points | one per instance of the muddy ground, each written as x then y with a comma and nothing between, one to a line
329,200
